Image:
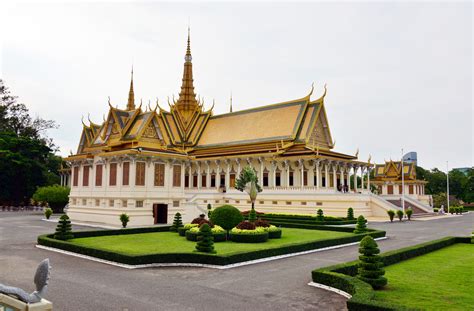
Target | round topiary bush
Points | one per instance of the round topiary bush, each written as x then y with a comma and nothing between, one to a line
226,216
262,223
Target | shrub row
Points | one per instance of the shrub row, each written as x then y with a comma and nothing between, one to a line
341,276
249,238
306,219
48,240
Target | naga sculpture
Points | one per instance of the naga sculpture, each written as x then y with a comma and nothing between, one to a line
41,281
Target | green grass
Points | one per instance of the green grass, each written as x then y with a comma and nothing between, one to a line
171,242
441,280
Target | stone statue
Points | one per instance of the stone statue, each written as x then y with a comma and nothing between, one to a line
41,281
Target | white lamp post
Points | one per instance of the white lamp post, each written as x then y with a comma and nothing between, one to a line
447,184
403,188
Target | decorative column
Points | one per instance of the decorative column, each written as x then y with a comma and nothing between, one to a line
274,167
287,166
199,185
301,165
334,176
260,177
348,174
227,175
218,174
311,175
208,174
362,170
190,175
318,175
326,175
355,178
368,178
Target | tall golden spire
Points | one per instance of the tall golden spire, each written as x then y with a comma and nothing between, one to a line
230,102
131,95
187,103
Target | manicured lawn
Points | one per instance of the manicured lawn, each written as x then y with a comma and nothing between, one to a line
441,280
171,242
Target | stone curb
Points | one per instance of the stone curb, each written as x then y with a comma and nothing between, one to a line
331,289
157,265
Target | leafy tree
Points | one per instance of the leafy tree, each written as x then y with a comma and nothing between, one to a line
56,196
63,230
205,242
370,268
320,215
26,153
361,226
124,219
248,182
350,213
177,222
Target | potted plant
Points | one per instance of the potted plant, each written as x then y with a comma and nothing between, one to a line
124,218
400,215
391,214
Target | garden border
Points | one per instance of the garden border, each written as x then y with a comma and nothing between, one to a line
219,267
47,240
341,276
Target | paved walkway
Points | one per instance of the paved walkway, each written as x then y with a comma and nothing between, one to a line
78,284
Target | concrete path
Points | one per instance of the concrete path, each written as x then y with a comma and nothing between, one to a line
78,284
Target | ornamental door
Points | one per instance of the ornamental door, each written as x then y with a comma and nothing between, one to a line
390,189
160,213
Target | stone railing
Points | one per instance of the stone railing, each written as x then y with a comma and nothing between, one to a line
9,303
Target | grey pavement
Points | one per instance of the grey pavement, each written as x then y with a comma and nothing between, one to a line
79,284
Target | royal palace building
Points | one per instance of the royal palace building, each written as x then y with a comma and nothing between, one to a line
153,162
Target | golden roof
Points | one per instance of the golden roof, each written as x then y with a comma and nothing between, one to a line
298,127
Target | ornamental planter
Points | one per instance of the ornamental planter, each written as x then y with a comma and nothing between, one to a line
249,238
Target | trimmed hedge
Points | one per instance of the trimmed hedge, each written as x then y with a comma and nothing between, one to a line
305,219
249,238
342,276
274,234
193,236
49,241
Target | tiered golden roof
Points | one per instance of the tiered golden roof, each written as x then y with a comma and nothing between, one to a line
298,127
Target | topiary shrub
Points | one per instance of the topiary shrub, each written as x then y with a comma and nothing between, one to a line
177,222
361,226
124,219
370,268
206,241
226,216
409,212
350,213
63,229
48,212
252,215
400,215
209,210
246,225
273,232
320,215
391,214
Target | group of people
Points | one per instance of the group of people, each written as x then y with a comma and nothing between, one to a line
343,188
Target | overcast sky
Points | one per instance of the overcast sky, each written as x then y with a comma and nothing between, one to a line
399,75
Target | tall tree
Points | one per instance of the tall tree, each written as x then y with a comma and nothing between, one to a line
27,157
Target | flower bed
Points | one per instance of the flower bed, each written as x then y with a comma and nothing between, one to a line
257,235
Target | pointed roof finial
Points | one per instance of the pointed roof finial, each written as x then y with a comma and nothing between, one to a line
131,95
230,101
188,56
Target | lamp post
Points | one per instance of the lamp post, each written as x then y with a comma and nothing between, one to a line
447,184
403,188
